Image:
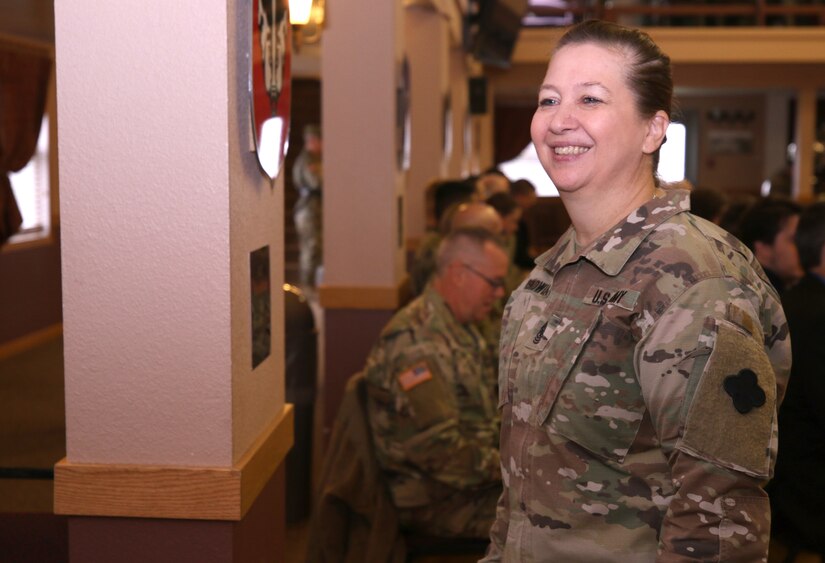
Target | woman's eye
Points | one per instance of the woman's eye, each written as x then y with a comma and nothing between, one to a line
547,102
590,100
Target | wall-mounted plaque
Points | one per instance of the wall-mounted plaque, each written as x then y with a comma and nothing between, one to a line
402,115
271,82
261,303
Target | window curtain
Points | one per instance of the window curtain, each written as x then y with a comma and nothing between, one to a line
24,83
512,131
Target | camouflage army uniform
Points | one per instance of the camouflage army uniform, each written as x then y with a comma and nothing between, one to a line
306,175
432,409
639,383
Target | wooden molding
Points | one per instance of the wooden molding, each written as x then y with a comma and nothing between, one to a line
364,297
193,493
737,45
20,345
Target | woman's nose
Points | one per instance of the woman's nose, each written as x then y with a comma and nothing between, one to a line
562,119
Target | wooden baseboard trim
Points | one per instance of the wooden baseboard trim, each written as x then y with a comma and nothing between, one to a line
364,297
24,343
191,493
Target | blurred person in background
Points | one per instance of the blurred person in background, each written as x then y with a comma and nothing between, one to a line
768,228
798,489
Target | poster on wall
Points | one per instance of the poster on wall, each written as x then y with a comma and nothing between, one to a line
270,83
447,126
261,305
730,141
402,115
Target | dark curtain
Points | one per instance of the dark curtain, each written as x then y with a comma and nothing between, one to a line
24,82
512,131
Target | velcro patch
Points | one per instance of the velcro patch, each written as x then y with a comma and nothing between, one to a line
731,415
599,296
415,376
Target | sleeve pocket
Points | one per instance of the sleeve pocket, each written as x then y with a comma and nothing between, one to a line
731,415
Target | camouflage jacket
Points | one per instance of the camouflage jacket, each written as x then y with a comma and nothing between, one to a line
307,173
432,404
639,384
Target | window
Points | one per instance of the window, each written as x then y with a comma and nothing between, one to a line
671,163
672,155
31,187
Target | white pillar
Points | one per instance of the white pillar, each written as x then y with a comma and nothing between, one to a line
162,203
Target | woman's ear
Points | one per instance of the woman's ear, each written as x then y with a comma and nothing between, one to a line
656,130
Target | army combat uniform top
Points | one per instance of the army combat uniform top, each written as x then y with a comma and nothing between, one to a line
639,381
432,409
307,177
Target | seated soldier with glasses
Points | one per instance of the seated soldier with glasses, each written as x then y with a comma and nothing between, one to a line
432,398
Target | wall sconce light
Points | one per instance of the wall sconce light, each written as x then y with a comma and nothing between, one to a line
300,11
307,17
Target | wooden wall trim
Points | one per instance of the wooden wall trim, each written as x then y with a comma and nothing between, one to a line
10,42
364,297
702,44
29,341
193,493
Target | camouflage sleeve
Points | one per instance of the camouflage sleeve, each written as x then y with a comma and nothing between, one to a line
708,372
501,525
419,422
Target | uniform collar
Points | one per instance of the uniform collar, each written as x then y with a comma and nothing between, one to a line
614,248
442,311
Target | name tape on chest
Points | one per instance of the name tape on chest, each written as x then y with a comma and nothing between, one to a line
599,296
538,286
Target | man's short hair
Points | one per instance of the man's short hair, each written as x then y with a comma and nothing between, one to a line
312,130
707,203
450,192
764,219
810,235
463,243
503,203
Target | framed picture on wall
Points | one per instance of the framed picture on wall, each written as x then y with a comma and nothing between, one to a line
447,125
261,305
402,114
271,82
730,141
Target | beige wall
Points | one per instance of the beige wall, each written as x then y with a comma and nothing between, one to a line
162,202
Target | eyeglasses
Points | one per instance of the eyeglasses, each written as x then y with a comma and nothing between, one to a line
497,283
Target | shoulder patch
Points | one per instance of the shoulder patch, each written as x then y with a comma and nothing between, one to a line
415,376
430,397
732,413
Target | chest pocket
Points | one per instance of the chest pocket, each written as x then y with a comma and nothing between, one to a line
509,357
544,350
594,398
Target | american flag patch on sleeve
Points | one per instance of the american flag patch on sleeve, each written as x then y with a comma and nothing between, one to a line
416,375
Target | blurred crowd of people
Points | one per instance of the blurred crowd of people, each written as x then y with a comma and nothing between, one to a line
788,240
